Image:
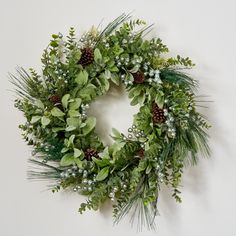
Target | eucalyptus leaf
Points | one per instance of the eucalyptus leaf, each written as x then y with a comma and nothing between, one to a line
65,149
102,174
97,55
134,69
107,74
56,129
73,122
79,163
115,79
82,78
77,55
65,100
76,104
105,83
129,77
70,128
73,113
134,101
67,160
71,140
77,152
149,168
90,125
39,104
141,99
102,163
57,112
35,119
116,133
159,100
88,92
45,121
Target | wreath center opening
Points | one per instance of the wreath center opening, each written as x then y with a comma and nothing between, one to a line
112,110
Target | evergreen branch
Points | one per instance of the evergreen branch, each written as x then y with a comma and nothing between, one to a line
112,26
44,171
177,77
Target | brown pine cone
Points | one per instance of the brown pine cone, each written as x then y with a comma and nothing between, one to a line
87,56
90,152
157,114
141,153
139,77
55,99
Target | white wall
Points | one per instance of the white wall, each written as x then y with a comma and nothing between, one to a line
203,30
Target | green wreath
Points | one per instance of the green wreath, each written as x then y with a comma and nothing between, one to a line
166,134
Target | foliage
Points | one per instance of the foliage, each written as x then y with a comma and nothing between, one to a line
66,148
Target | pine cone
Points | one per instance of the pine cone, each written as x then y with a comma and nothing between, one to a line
55,99
87,56
139,77
157,114
89,153
141,153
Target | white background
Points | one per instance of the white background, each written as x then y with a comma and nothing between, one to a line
203,30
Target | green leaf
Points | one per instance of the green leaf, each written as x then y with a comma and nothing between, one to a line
67,159
97,55
105,153
77,55
149,168
65,149
70,128
76,104
129,77
82,78
73,122
65,100
88,92
159,99
55,36
77,152
134,69
39,104
71,140
105,83
107,74
56,129
54,44
79,163
102,174
45,121
116,133
135,91
35,119
141,99
90,125
102,162
73,113
115,79
57,112
134,101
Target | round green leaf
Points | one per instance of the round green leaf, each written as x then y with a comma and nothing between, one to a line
45,121
90,125
57,112
65,100
102,174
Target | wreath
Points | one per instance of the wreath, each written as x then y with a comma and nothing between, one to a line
167,132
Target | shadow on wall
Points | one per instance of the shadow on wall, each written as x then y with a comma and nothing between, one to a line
112,110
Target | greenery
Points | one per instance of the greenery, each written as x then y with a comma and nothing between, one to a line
167,132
